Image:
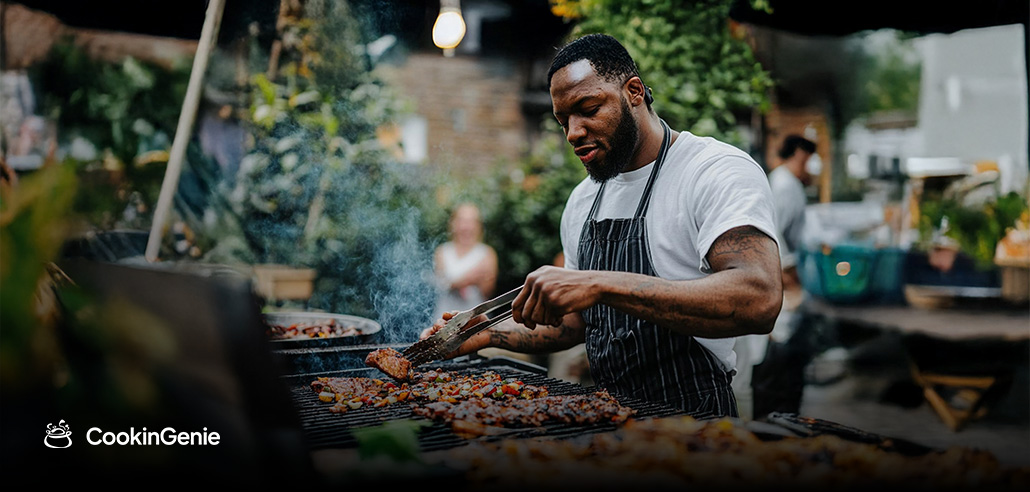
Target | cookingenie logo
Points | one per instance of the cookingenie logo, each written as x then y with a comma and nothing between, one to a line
58,436
167,437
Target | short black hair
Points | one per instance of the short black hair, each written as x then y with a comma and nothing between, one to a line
609,58
794,142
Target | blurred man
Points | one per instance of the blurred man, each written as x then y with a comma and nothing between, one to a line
777,380
669,245
788,182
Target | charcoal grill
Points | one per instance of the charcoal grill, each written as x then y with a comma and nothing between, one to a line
326,430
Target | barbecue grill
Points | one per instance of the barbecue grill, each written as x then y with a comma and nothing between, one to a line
324,429
271,421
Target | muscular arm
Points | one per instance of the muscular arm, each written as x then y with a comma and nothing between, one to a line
742,296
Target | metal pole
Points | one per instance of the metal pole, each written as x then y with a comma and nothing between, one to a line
208,38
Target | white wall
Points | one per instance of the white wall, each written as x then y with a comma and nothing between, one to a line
973,96
973,105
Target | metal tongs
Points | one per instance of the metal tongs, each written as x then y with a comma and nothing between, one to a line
454,332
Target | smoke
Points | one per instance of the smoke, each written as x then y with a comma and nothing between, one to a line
322,361
317,189
405,303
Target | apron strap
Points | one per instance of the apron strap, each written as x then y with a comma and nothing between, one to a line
645,198
597,200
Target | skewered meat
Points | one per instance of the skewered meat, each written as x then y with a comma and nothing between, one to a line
390,362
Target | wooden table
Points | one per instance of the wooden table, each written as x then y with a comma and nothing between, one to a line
994,324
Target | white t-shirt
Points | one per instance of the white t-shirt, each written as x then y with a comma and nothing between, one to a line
704,188
790,198
453,268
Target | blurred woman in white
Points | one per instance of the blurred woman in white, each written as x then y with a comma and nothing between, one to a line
466,268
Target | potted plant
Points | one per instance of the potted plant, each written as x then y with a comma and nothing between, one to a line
959,231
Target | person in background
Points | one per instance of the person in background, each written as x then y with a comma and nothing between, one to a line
788,182
465,267
669,245
777,361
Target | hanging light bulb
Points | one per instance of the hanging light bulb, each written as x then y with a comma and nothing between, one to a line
449,28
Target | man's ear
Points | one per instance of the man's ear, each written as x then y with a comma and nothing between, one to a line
638,93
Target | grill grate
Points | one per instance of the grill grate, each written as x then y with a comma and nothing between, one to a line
325,429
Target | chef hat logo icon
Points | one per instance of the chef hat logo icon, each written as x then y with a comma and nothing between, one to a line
58,436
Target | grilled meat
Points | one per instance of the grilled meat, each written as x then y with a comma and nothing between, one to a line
684,453
344,385
569,409
390,362
327,328
429,386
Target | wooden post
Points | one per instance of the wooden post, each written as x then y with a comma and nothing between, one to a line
208,38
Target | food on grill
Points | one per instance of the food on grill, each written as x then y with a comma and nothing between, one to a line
470,430
390,362
688,453
323,328
592,408
345,385
424,387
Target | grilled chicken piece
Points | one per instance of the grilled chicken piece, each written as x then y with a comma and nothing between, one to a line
391,362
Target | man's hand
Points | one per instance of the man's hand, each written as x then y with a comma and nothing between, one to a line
478,341
552,292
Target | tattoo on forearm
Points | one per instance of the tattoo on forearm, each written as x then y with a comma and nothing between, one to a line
651,300
645,295
542,339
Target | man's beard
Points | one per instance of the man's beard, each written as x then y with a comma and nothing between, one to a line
620,150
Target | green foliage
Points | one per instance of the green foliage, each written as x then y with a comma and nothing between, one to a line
34,222
395,439
118,111
318,189
703,78
890,79
977,228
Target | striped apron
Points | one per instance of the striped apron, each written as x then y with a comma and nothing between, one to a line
633,357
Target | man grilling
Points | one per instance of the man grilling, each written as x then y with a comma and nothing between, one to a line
669,246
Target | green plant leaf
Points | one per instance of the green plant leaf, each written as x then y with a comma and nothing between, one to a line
396,439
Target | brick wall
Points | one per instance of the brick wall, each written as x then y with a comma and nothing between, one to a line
29,34
472,108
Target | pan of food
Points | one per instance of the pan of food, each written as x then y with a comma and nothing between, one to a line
289,330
